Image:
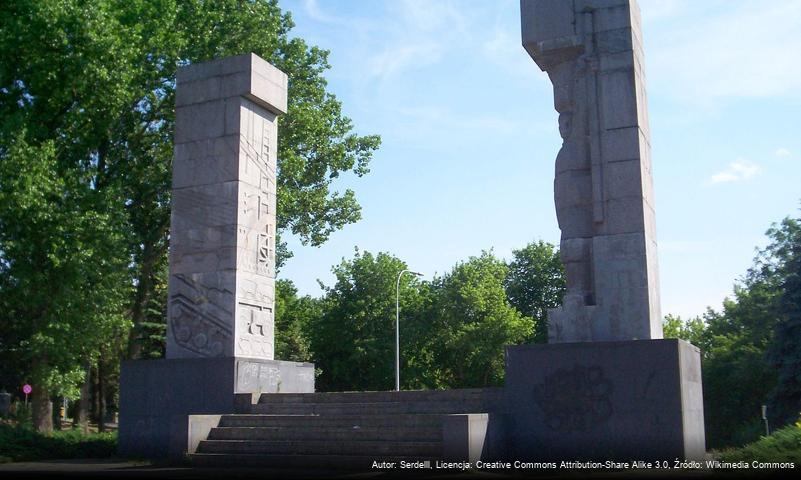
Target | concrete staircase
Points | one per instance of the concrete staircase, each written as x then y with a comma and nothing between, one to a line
346,430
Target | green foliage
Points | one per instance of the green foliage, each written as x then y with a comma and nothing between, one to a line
87,108
21,444
293,315
785,351
783,445
691,330
354,339
22,414
452,329
62,284
751,348
473,320
535,284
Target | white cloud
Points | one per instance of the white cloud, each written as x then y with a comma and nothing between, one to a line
421,35
403,57
782,152
314,12
736,171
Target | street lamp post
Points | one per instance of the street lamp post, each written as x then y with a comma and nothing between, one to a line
397,326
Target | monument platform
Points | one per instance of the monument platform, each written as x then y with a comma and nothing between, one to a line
157,396
625,400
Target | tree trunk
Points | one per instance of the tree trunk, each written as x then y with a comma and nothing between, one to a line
144,287
101,395
95,395
82,416
42,410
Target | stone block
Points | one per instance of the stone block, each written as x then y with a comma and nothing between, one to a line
573,187
612,17
621,144
186,261
198,91
575,221
614,41
463,436
632,400
187,431
258,376
211,160
157,396
245,75
255,288
543,20
202,238
618,99
574,155
622,179
200,121
214,204
617,61
625,275
199,311
622,216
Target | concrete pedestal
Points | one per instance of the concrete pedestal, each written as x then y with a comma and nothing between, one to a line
627,400
156,396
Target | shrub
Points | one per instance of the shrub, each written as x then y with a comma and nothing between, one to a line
19,443
783,445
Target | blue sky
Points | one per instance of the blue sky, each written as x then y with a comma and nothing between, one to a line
470,134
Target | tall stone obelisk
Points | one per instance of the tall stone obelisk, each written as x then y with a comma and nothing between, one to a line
222,243
592,52
220,321
606,386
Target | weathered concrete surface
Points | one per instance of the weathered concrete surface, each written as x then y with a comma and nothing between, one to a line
156,396
592,52
632,400
222,237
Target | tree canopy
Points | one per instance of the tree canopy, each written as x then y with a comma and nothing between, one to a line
87,95
751,349
536,284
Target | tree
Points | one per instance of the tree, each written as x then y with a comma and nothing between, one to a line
692,330
354,339
293,315
89,87
749,346
62,286
784,353
472,322
535,284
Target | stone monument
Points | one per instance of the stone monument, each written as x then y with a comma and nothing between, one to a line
592,52
220,321
606,386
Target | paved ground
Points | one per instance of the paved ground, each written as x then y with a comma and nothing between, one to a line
129,469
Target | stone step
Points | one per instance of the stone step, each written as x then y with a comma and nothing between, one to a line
324,463
338,433
370,408
312,421
469,394
322,447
